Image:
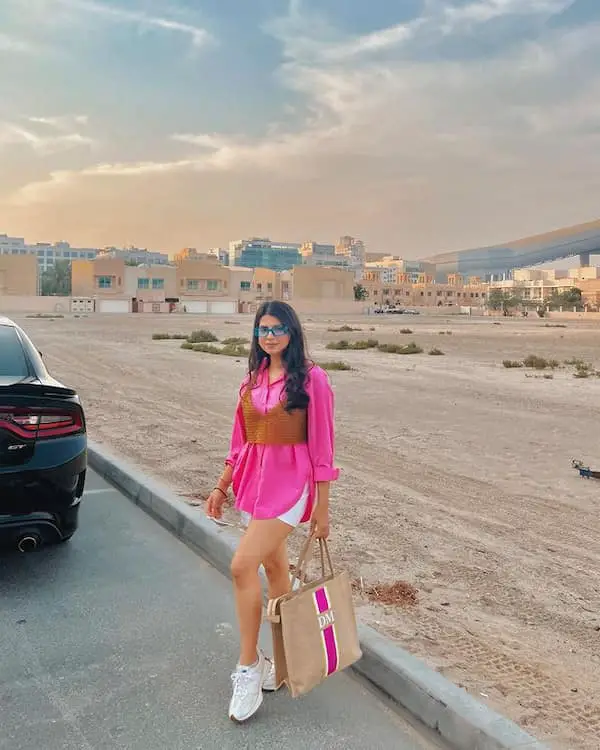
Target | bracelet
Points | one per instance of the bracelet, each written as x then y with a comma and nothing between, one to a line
218,489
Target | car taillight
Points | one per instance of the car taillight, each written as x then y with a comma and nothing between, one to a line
41,423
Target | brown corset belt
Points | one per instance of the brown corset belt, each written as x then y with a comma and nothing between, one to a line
276,427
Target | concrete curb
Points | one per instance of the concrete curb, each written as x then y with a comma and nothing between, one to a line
460,720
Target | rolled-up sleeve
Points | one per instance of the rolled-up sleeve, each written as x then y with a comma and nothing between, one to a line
238,437
321,434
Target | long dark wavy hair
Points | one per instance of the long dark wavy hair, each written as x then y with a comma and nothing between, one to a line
294,357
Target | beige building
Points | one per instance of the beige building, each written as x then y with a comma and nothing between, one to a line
321,283
537,285
473,293
18,275
190,253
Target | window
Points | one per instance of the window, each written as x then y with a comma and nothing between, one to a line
156,307
104,282
158,283
259,287
408,294
143,283
212,285
192,285
245,286
269,287
12,357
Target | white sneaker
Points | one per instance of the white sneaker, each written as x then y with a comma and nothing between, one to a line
247,689
270,685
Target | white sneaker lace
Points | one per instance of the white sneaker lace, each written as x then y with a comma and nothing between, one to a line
242,679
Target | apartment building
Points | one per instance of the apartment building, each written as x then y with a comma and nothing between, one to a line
135,256
537,285
47,254
18,275
205,286
473,293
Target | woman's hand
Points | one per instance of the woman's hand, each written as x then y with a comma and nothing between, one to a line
319,523
214,504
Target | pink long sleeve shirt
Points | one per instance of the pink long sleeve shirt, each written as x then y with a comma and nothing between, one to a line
268,480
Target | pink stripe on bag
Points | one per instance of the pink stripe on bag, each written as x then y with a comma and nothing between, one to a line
327,626
322,600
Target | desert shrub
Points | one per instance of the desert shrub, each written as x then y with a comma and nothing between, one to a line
548,376
343,344
435,352
335,365
581,373
512,363
202,337
540,363
45,316
235,341
343,329
169,337
357,345
368,344
411,348
406,331
234,350
580,364
206,348
187,345
554,325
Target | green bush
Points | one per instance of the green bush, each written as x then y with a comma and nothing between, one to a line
335,365
230,350
235,350
368,344
339,345
540,363
235,341
169,337
202,337
411,348
206,348
344,345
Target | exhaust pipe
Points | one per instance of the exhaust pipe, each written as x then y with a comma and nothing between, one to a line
27,543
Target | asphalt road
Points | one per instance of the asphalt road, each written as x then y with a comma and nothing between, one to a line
124,639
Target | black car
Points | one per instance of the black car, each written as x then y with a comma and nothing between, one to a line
43,447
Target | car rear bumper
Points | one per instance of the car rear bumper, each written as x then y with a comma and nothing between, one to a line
44,497
44,528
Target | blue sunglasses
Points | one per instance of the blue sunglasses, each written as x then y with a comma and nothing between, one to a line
263,331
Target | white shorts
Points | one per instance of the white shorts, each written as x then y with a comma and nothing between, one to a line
292,517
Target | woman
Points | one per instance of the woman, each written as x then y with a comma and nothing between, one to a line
280,465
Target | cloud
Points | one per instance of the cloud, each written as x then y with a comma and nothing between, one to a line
413,120
62,122
198,36
62,135
14,45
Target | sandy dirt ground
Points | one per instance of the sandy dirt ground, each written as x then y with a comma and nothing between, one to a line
456,478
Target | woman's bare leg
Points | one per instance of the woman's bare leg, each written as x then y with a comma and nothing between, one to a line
277,568
262,540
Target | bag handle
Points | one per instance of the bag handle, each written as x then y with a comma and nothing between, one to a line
303,561
306,556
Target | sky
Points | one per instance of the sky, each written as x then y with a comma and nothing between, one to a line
420,126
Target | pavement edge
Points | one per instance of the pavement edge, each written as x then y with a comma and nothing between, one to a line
460,720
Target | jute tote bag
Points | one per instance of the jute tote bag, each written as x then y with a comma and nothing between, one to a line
314,627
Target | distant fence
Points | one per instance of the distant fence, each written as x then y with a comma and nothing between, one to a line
12,303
